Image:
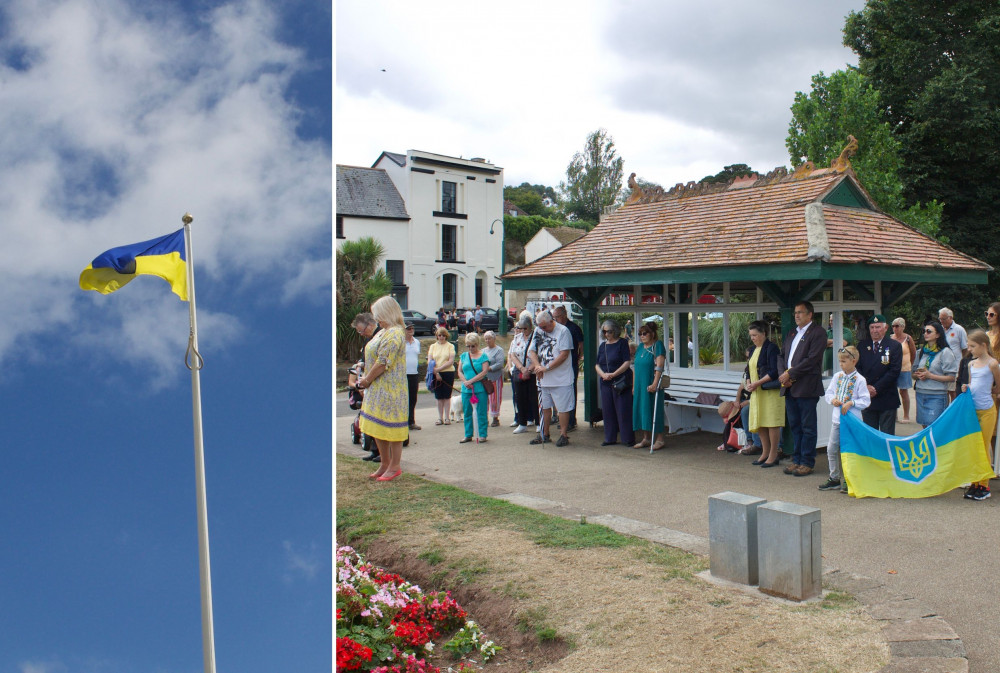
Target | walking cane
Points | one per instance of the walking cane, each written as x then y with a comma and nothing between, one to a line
652,430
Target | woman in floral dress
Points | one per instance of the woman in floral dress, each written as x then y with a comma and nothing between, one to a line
385,411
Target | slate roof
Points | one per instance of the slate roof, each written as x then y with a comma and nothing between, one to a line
368,192
750,221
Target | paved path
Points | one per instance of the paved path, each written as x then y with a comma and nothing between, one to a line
945,551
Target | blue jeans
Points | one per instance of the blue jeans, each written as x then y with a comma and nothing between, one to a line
752,437
801,413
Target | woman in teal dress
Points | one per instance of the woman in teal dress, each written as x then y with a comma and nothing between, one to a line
474,366
650,358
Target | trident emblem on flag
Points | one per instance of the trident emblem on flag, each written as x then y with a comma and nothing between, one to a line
913,461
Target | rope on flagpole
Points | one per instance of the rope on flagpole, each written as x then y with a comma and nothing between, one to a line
192,358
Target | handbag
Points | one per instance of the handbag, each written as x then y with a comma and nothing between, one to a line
488,386
712,399
773,384
619,383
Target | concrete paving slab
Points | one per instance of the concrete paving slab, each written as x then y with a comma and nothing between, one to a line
927,665
929,628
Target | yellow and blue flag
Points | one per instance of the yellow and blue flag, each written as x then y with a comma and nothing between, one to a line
164,257
946,454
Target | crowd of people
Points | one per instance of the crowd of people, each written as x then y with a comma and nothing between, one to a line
781,386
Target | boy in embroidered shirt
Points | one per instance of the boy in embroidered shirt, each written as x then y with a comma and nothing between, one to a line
847,393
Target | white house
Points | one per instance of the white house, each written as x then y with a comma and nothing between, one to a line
548,239
443,253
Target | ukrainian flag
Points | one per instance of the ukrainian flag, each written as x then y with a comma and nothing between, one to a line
941,457
164,257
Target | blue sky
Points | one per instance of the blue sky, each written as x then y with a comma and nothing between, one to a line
117,119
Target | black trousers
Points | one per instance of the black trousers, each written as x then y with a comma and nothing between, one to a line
413,385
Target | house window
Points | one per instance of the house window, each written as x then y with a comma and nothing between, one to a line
449,282
340,226
479,292
449,242
448,190
394,269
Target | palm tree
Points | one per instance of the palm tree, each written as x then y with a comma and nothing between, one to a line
360,281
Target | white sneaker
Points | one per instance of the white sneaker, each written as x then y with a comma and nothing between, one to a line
520,429
531,424
514,424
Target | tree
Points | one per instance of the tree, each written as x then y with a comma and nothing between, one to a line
729,173
845,104
523,228
534,199
593,178
360,281
936,66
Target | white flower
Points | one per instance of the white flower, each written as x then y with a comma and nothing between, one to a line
429,646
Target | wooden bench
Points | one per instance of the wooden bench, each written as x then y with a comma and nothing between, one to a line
683,413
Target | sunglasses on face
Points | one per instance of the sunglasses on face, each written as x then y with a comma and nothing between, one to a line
990,314
929,331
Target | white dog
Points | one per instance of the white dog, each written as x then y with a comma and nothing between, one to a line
456,408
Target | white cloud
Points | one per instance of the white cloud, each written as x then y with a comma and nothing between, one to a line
684,88
116,122
302,563
40,667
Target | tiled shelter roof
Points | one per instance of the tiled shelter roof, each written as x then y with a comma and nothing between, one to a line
780,218
368,192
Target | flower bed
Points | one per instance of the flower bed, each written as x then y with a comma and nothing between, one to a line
387,625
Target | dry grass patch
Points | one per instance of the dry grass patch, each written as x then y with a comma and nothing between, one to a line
611,602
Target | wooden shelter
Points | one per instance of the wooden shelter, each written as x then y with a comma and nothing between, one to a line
756,245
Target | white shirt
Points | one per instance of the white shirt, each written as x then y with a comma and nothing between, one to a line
799,333
412,355
957,339
837,388
548,346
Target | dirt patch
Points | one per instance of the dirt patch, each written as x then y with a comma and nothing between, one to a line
496,614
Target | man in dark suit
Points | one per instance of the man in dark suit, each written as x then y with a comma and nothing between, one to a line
881,358
802,385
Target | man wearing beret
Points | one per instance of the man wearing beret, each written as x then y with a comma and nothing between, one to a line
881,358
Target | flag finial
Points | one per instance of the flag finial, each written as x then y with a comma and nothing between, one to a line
187,219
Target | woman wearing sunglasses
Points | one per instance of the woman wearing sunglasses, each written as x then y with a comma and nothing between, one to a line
935,368
993,328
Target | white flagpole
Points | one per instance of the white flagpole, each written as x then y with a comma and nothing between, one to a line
194,363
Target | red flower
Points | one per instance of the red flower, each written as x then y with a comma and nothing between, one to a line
351,655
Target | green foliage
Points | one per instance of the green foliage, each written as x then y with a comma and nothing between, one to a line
530,199
845,103
936,67
729,173
360,282
711,336
523,228
593,178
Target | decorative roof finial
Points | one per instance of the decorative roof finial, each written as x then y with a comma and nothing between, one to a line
843,162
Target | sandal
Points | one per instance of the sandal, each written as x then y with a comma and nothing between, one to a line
465,441
447,421
656,447
644,444
439,422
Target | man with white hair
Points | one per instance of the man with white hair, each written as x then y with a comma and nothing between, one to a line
560,316
549,354
957,339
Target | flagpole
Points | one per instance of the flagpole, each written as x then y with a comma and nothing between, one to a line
194,362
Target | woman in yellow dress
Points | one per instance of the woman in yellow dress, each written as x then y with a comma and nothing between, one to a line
767,409
385,410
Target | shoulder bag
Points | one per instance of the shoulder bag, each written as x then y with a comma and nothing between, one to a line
617,383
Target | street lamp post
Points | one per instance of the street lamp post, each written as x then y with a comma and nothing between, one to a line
503,259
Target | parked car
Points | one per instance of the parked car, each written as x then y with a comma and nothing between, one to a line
422,324
491,320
